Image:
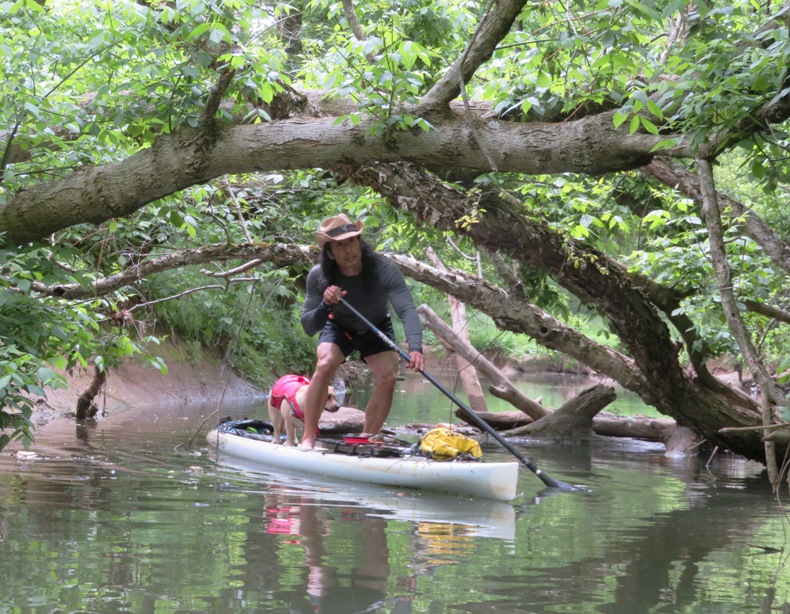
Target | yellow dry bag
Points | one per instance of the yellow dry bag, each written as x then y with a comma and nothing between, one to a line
443,444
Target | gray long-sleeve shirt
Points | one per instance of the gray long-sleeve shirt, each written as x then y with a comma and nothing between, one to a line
371,301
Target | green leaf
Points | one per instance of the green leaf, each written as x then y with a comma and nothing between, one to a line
649,126
33,109
199,31
45,374
544,80
758,168
664,144
655,109
407,56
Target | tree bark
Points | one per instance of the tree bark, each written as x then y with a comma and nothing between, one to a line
86,408
190,157
652,368
466,371
771,395
604,424
649,429
505,420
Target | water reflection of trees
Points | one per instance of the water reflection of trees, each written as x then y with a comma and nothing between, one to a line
662,565
101,524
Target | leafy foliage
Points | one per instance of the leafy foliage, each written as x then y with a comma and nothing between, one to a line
43,337
88,84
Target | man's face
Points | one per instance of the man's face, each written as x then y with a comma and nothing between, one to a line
347,253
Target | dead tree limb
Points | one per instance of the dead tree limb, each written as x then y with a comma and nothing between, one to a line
503,386
466,371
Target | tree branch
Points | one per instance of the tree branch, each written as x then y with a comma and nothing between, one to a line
491,31
516,314
186,158
767,310
771,394
277,253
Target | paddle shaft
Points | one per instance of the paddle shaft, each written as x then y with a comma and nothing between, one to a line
471,414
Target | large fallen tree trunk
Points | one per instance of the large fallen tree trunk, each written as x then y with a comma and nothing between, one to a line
649,363
678,441
571,423
604,424
576,420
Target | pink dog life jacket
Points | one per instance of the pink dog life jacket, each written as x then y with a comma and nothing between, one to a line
286,388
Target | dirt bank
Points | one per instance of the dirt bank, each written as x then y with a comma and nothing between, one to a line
199,381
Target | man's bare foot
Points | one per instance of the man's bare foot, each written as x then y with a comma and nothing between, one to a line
306,445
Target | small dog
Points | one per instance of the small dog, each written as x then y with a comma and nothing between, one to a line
285,401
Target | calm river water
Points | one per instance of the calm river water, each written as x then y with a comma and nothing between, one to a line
127,516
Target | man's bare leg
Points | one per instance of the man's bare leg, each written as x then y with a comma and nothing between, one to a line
330,357
385,372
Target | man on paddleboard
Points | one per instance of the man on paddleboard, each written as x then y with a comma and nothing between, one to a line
350,269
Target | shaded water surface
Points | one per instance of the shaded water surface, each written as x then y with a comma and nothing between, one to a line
125,516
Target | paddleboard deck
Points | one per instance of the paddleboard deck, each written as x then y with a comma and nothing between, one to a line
384,463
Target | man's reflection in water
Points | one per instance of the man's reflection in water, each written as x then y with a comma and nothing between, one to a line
365,587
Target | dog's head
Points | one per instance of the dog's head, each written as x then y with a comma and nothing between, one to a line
331,404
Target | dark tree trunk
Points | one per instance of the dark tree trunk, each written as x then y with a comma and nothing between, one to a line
86,408
651,368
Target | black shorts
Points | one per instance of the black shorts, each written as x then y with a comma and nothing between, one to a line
367,343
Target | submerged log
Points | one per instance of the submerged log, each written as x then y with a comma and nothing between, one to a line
637,427
678,441
505,420
344,420
604,424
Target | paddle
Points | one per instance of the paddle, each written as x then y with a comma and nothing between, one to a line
468,411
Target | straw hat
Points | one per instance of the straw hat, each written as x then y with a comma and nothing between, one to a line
337,228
